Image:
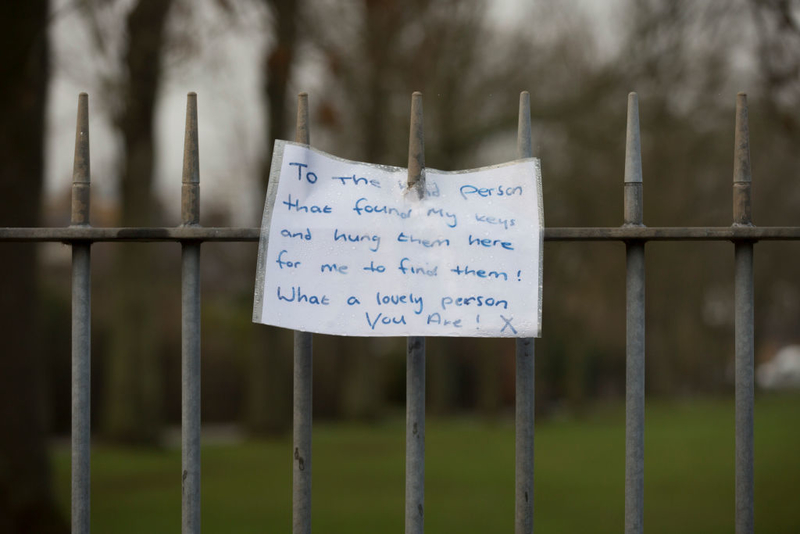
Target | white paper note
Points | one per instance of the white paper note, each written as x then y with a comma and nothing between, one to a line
346,250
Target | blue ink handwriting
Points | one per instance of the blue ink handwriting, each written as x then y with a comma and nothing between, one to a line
436,318
374,268
310,176
453,219
361,206
403,238
299,296
479,300
507,325
305,236
489,243
399,299
288,263
385,320
357,180
506,223
356,238
333,268
417,269
480,273
306,209
497,191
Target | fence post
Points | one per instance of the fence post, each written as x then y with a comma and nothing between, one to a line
525,386
415,357
190,326
743,322
81,327
303,381
635,329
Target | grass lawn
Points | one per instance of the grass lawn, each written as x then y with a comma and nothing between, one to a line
358,476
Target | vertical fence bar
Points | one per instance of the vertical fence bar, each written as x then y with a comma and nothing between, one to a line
81,327
743,296
190,327
415,355
303,381
525,398
635,327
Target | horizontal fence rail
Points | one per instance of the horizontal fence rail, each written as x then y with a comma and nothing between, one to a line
612,233
80,236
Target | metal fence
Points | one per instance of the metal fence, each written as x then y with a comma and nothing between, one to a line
80,235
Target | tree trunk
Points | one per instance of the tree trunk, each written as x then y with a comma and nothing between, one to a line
133,398
27,504
269,406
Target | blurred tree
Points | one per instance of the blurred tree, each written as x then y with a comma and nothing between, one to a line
681,56
268,409
377,54
133,388
27,504
278,70
685,60
777,24
775,136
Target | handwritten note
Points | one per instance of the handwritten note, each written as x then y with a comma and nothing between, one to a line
346,250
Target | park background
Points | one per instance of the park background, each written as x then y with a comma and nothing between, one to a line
359,60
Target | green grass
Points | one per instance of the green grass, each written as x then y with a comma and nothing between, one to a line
358,476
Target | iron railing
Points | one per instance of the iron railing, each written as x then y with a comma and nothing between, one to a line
80,235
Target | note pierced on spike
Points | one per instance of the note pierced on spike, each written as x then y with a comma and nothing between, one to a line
344,250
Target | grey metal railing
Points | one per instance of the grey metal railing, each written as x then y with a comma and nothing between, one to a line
190,327
303,382
81,326
415,355
743,322
634,313
80,235
524,404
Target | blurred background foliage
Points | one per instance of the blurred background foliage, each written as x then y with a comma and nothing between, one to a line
360,60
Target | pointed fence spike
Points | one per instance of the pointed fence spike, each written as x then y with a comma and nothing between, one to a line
416,147
302,134
81,168
524,142
81,171
633,165
190,190
742,175
741,161
191,158
633,148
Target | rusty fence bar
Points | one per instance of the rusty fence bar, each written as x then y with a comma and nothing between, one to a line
81,327
80,236
524,404
303,382
635,328
415,355
743,323
190,328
